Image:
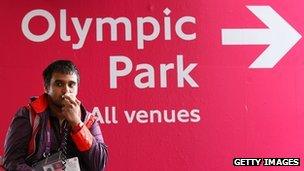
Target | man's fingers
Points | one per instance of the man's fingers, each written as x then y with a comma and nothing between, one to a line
77,101
69,99
65,102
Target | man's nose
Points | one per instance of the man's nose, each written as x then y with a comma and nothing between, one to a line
65,89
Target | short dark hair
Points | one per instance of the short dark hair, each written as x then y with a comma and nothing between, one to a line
60,66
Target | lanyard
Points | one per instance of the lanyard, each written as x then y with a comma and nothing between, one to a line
48,139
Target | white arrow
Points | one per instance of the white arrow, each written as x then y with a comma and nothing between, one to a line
279,35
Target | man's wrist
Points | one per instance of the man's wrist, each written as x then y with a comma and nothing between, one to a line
77,127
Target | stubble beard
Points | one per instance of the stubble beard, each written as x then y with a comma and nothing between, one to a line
57,103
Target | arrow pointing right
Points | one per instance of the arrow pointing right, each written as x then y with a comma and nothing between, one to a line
279,35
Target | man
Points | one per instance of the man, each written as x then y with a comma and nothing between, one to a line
55,121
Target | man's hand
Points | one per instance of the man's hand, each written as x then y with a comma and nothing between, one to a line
71,110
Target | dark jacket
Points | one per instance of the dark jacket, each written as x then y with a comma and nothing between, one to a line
87,144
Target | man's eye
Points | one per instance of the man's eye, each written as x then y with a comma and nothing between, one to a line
72,84
58,84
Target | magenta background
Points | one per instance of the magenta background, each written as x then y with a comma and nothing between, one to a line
244,112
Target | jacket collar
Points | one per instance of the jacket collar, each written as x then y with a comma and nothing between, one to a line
39,104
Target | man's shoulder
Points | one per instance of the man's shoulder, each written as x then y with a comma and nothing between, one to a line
36,105
22,112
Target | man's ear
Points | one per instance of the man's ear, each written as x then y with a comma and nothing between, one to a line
46,89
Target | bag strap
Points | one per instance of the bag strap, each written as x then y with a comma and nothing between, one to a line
34,121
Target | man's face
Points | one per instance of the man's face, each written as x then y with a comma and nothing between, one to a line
61,84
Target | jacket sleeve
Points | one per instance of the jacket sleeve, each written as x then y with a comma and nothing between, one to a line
16,142
91,145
